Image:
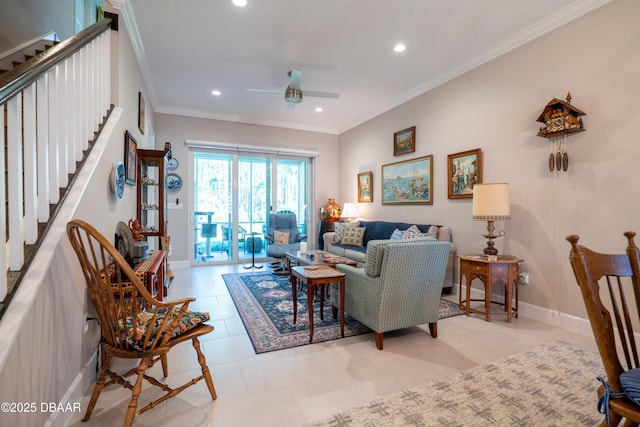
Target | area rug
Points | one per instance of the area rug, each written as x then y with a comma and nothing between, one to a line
552,385
266,309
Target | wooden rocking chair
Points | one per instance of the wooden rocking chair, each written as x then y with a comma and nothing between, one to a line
134,325
614,280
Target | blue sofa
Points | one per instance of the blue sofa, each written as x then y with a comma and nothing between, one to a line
382,230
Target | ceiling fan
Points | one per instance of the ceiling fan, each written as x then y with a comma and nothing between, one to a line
293,94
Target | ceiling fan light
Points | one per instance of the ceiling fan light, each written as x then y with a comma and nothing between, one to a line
293,95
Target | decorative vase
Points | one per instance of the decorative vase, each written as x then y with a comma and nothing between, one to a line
331,211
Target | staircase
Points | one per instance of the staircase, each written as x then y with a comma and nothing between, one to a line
54,103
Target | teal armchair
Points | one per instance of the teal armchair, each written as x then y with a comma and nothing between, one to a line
399,287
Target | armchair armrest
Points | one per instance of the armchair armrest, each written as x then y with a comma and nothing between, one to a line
301,237
268,238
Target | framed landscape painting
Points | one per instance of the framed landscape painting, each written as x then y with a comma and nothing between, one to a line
408,182
365,187
464,170
404,141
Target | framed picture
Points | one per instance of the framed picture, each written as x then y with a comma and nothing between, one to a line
365,187
141,112
404,141
408,182
130,158
464,170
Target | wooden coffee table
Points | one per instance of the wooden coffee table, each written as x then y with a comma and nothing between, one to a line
313,276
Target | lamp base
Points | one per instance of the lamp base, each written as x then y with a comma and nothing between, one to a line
490,250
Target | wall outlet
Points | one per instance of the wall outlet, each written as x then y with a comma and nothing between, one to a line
523,278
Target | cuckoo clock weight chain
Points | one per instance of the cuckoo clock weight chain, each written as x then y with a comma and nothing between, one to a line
560,119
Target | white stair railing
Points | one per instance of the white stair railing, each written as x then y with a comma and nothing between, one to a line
55,104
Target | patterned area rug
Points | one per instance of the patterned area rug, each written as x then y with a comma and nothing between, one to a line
266,308
551,385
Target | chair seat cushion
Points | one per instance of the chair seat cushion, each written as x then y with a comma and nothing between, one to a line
186,322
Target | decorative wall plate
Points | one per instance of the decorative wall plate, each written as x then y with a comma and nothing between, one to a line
117,180
173,182
173,164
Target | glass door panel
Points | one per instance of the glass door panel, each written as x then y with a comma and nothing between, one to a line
292,190
212,207
254,188
233,197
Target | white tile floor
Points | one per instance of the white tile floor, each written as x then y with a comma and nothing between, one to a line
306,384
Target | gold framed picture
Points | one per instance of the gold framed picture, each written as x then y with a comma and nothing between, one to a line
464,170
365,187
408,182
404,141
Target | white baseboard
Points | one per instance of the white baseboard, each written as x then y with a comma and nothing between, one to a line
542,314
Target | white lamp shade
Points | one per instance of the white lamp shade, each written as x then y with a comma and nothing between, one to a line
491,202
349,211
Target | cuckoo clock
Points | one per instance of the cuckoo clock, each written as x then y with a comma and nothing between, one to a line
560,119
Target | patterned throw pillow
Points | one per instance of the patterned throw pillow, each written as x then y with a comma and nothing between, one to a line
353,236
281,237
339,230
412,232
396,235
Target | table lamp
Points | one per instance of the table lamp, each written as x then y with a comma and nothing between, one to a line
349,212
491,203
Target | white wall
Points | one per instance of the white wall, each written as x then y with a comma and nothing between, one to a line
495,108
177,129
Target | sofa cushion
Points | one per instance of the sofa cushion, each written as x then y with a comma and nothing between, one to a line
339,230
397,234
356,253
378,230
353,235
281,237
412,232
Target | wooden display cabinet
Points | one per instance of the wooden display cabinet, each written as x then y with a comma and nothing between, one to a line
151,201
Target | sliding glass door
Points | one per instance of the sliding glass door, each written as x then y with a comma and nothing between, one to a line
233,197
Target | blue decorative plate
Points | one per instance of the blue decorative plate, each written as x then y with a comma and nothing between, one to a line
117,180
173,164
173,182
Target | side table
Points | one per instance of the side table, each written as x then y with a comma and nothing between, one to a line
504,269
314,276
251,238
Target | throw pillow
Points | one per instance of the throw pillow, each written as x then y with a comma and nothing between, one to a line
353,236
339,229
281,237
396,235
412,232
433,231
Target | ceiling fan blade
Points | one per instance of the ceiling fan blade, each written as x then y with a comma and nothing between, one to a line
265,90
296,77
317,94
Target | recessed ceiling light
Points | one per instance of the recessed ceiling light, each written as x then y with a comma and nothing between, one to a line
239,3
400,47
216,92
318,109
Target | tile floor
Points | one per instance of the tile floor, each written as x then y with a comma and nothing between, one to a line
307,384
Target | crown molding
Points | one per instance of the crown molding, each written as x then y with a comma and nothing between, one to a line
117,4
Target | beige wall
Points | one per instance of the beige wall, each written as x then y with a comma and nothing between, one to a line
50,358
495,108
177,129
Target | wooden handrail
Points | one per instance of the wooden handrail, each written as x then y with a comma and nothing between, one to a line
18,78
